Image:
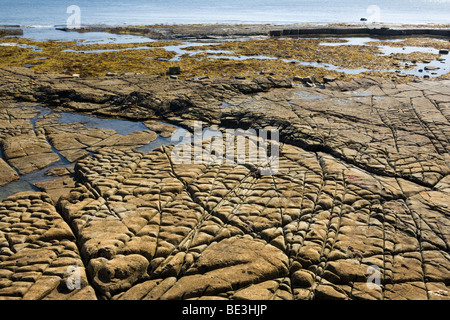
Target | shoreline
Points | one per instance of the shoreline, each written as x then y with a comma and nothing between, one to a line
230,51
172,31
180,31
363,179
160,225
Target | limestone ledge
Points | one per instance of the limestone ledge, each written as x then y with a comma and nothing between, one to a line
362,185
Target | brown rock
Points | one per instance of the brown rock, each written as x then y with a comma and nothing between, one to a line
7,174
119,273
43,259
243,261
28,153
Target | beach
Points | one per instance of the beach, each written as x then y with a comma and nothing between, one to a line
351,202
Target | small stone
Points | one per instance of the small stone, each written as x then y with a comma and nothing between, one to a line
302,279
328,79
174,71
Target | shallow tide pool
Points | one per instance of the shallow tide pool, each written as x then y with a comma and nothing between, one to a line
122,127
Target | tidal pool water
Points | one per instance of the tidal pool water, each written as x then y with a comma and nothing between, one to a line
123,127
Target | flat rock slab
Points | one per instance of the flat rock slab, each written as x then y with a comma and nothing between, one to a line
28,153
57,187
358,208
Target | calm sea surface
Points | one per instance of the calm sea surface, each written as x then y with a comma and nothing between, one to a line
115,12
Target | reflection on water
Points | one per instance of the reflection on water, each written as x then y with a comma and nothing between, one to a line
123,127
306,95
27,181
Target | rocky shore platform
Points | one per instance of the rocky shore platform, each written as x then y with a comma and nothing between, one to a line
211,31
358,208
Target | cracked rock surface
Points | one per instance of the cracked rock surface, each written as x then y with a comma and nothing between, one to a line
38,254
358,208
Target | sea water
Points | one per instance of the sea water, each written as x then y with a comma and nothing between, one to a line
135,12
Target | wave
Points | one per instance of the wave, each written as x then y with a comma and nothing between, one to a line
39,26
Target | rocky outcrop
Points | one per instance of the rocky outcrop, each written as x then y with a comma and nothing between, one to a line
13,31
316,229
39,258
361,31
7,174
28,153
358,208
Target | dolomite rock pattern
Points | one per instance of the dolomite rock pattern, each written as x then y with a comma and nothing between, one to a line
358,208
38,255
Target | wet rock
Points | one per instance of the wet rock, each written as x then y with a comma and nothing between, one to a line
11,31
164,130
28,153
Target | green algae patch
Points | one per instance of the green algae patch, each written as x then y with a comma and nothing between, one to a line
414,42
100,63
250,68
65,57
122,46
284,57
414,57
310,50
